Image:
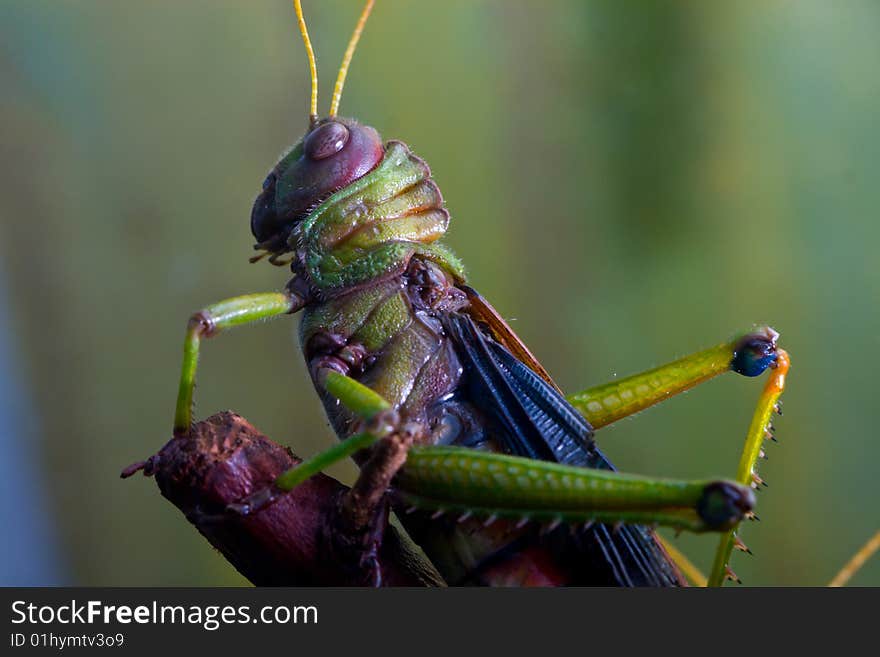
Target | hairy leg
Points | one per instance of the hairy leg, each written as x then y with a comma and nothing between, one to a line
209,321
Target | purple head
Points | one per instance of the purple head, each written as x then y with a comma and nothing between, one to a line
333,154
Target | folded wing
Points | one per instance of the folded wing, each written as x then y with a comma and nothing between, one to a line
531,418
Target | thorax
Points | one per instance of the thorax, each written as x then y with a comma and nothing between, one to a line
388,336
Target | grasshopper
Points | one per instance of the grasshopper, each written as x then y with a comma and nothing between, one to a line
503,482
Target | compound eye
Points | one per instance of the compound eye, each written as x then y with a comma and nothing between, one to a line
326,140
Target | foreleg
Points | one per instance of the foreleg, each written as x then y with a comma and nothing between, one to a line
212,319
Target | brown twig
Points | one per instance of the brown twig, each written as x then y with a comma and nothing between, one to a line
305,537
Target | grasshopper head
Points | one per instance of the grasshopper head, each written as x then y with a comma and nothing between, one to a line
333,154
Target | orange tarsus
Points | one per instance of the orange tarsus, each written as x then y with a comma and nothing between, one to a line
777,378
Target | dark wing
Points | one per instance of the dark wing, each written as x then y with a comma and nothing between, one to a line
532,419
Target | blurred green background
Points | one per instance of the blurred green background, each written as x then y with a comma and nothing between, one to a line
628,182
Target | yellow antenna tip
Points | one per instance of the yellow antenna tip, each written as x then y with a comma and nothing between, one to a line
349,53
313,69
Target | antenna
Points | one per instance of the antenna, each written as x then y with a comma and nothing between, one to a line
313,70
349,53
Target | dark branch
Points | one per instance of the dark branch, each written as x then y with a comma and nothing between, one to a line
309,536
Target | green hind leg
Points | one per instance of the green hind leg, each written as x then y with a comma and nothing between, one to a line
471,482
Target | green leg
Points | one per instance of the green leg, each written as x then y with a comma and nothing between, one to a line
208,322
379,422
355,396
467,481
749,354
359,399
473,482
759,429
